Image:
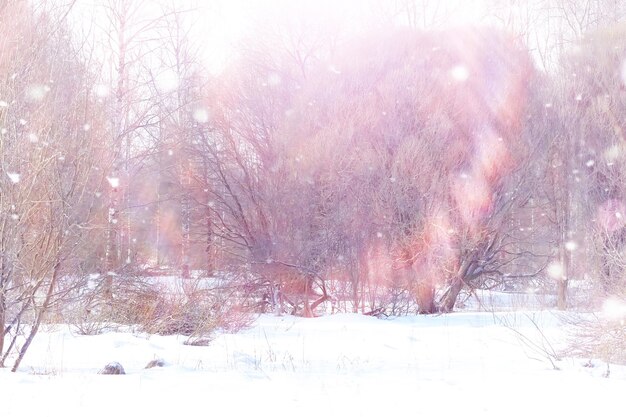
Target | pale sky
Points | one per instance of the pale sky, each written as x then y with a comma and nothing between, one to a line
218,25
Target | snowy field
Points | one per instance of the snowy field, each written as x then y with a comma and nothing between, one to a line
342,365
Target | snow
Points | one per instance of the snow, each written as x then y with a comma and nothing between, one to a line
614,309
201,115
101,90
460,73
14,177
167,81
37,92
555,270
114,182
346,364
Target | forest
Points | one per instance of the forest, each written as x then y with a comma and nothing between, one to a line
373,157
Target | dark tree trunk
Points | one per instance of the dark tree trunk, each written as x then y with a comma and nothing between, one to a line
449,298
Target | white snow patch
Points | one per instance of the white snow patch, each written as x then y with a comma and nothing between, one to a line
350,364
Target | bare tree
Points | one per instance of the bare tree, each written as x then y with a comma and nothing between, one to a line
49,153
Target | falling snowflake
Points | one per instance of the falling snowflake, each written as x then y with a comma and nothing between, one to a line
201,115
37,92
167,81
614,309
460,73
101,90
23,122
86,127
590,163
113,181
612,153
14,177
15,217
274,79
333,69
571,245
32,138
555,270
4,103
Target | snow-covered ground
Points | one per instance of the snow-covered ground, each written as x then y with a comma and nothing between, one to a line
341,365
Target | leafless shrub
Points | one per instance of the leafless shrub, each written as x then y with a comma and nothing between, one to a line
595,337
535,342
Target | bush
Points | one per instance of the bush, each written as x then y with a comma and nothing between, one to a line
187,307
598,336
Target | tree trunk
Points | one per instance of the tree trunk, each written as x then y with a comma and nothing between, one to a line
39,317
3,305
449,298
561,301
2,323
426,297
